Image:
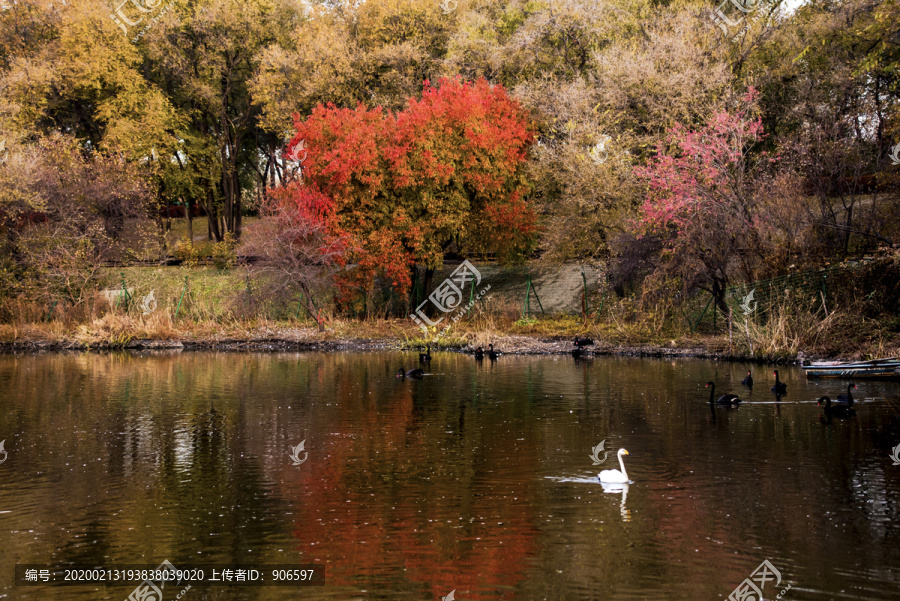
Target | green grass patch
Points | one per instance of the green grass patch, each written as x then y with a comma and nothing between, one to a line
210,293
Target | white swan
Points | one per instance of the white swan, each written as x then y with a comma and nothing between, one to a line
615,475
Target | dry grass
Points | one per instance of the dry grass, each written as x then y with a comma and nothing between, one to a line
787,330
796,325
217,308
785,334
117,330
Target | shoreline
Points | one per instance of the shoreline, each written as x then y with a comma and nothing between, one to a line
509,345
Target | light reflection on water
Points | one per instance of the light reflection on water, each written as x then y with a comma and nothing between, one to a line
477,478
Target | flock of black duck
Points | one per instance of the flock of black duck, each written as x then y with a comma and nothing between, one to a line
842,406
425,358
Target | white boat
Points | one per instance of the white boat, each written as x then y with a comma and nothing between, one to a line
877,368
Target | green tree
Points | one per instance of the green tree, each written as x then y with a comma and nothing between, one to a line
205,55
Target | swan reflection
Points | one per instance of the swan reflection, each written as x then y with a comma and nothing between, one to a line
622,487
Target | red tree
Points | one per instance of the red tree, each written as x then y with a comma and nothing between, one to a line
703,200
404,187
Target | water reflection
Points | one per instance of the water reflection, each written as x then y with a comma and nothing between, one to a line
476,478
609,487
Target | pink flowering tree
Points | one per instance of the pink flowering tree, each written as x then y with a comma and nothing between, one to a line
701,204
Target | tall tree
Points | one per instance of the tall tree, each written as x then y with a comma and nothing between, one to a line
205,56
604,82
831,99
376,52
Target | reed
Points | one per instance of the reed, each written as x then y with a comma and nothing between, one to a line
794,324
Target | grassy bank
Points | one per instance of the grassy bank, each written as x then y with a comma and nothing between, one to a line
207,307
554,337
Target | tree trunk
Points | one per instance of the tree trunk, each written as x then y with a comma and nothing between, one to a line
847,231
311,308
237,209
231,185
231,213
212,216
190,221
167,222
227,199
718,292
413,293
426,286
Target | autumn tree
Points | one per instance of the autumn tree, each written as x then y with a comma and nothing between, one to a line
703,204
831,100
447,170
604,82
376,52
61,213
205,56
69,68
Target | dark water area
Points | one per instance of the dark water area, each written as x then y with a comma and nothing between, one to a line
476,479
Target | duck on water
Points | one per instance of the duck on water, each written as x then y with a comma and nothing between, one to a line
413,373
780,387
726,400
847,399
836,410
615,476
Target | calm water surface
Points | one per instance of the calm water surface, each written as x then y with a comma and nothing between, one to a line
475,479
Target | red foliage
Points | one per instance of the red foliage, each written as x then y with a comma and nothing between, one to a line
704,201
402,186
705,173
305,203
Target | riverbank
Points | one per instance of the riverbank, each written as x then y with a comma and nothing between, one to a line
394,335
528,346
225,309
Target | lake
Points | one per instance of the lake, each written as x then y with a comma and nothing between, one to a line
477,479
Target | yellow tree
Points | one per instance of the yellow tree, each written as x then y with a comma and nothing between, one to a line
378,52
